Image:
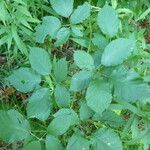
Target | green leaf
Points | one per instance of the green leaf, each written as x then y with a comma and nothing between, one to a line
108,20
83,60
40,61
52,143
62,36
62,96
97,58
13,126
76,31
39,105
60,70
80,80
24,79
62,121
98,96
85,112
81,41
32,146
110,118
100,41
106,139
80,14
131,91
50,25
78,142
117,51
62,7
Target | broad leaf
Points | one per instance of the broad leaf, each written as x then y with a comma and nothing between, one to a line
63,7
60,70
98,96
80,80
106,139
80,14
83,60
62,121
62,36
40,61
110,118
85,112
33,145
108,20
24,80
50,25
62,96
39,105
78,142
52,143
117,51
13,126
100,41
76,31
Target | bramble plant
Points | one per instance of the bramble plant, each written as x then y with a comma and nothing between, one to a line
81,104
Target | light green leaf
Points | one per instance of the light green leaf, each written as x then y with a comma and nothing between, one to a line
62,96
108,20
62,7
62,121
106,139
98,96
80,80
24,80
81,41
39,105
100,41
60,70
13,126
62,36
110,118
40,61
76,31
50,25
117,51
80,14
34,145
52,143
85,112
78,142
83,60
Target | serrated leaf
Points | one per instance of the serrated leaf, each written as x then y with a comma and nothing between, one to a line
80,14
39,105
117,51
62,7
33,145
50,25
62,121
13,126
40,61
85,112
24,79
98,96
108,20
83,60
110,118
80,80
52,143
78,142
106,139
62,36
131,91
62,96
61,70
